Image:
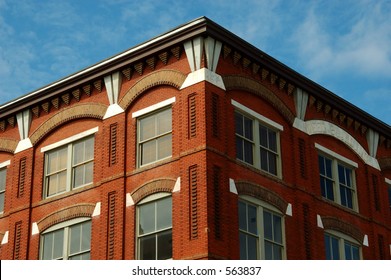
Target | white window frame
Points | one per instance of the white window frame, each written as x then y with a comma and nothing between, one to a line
261,206
258,120
64,225
148,199
148,111
337,160
68,142
3,166
342,238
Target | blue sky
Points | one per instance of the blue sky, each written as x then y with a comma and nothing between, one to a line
345,46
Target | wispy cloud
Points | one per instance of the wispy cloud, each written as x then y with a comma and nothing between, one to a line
364,48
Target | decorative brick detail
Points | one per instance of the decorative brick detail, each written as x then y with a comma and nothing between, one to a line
113,144
8,145
331,223
111,225
236,82
302,159
215,115
376,196
261,193
307,230
192,112
380,242
159,185
17,240
65,214
217,200
193,194
22,176
87,110
162,77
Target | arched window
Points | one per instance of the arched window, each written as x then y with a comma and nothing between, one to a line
70,240
261,230
154,227
340,246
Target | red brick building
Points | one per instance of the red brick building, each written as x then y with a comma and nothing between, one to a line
193,145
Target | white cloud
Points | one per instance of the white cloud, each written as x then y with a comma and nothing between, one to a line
362,49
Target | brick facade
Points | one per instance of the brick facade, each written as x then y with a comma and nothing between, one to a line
203,175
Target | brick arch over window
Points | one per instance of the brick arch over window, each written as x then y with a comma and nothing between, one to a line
156,186
331,223
261,193
65,214
163,77
236,82
86,110
8,145
313,127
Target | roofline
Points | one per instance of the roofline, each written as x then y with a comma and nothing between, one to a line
196,27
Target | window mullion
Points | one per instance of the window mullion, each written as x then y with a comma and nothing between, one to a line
336,185
257,144
260,226
69,168
66,241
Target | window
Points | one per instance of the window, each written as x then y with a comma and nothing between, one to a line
260,231
3,175
337,180
257,140
155,136
69,166
67,241
154,228
341,248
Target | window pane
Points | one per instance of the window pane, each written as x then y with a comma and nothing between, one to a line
47,246
57,183
355,253
248,128
272,140
268,250
252,219
239,148
83,174
267,225
327,246
148,152
164,146
252,247
264,164
277,252
348,252
147,218
248,152
58,244
164,249
272,167
389,196
242,216
86,237
164,121
147,247
57,160
335,248
147,128
3,173
263,136
75,242
163,213
341,175
1,202
277,229
239,124
78,152
243,246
